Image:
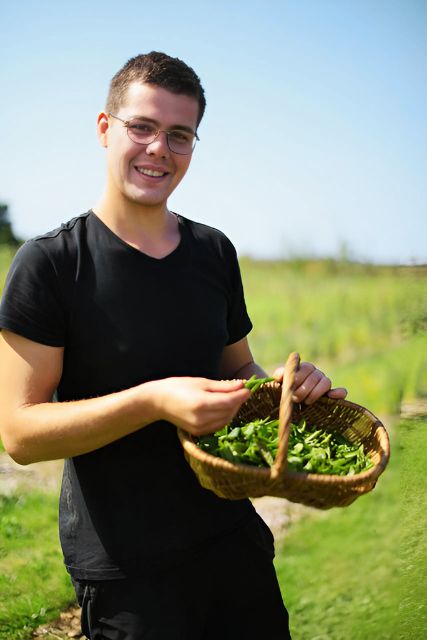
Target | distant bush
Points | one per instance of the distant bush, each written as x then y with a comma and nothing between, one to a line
7,235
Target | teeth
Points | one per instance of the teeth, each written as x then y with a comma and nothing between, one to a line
150,172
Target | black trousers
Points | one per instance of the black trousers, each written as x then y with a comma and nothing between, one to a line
227,592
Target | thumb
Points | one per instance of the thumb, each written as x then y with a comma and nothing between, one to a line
278,374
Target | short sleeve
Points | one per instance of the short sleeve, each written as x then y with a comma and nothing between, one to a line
239,323
32,303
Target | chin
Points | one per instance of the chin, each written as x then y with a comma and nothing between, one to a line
145,201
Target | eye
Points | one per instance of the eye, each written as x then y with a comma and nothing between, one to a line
181,136
141,127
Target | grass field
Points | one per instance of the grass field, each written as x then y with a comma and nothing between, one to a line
34,586
361,572
366,326
346,574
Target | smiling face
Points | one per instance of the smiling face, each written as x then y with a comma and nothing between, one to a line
146,175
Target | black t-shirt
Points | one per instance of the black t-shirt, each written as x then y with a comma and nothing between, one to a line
125,318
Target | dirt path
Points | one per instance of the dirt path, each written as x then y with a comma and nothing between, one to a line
14,477
414,408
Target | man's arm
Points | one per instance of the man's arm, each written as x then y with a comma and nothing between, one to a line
310,382
34,428
237,362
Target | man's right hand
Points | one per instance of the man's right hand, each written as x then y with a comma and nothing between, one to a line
199,405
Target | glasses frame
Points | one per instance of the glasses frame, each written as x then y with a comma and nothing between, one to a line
126,124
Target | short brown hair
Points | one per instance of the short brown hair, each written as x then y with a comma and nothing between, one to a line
159,69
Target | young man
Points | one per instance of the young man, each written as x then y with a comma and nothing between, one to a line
135,318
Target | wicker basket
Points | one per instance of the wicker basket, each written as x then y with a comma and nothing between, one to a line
355,423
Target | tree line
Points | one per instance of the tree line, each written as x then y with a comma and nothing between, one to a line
7,235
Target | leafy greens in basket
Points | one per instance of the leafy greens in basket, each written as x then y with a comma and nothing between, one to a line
309,449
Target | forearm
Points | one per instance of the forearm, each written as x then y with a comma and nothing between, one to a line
46,430
53,430
249,369
238,363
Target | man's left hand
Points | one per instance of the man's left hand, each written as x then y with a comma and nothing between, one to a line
311,384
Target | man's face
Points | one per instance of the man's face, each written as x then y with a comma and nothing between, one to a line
131,165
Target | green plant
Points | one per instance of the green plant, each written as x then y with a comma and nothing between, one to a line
309,449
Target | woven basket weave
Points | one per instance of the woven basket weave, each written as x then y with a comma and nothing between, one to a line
355,423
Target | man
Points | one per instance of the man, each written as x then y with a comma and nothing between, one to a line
135,317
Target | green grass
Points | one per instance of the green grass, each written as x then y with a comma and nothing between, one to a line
361,572
413,523
383,380
34,585
332,313
6,256
365,326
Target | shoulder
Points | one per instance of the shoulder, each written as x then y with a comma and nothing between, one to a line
39,287
68,232
209,237
54,244
51,258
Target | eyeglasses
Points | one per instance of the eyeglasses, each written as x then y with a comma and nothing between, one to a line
179,140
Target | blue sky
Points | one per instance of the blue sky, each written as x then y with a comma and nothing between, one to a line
314,138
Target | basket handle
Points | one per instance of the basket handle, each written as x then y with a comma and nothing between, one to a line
285,414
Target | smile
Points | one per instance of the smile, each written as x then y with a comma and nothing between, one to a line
151,172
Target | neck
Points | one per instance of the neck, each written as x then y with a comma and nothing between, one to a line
151,229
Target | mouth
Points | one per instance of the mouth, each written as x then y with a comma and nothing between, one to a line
151,173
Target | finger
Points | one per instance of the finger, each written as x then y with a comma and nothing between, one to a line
337,393
220,403
236,398
215,423
278,374
321,389
214,419
304,371
304,387
316,385
224,386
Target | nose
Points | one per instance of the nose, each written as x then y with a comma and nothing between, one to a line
159,146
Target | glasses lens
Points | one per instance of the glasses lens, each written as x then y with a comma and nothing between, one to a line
141,132
181,142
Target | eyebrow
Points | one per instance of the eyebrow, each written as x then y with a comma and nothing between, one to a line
175,127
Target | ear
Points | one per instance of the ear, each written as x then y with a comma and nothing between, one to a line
102,127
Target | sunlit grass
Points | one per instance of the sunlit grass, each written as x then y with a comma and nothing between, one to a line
34,585
6,256
383,380
332,316
413,523
361,572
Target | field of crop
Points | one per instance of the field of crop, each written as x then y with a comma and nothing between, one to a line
348,574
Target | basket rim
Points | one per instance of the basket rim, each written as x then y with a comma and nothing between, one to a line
191,448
